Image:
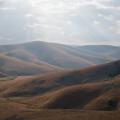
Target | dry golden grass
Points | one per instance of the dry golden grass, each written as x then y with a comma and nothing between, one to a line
88,89
59,115
60,94
38,85
72,97
11,106
108,101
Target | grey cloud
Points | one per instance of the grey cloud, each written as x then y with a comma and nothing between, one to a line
67,21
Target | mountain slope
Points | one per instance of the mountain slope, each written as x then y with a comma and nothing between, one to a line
109,100
70,57
37,85
14,66
103,95
80,96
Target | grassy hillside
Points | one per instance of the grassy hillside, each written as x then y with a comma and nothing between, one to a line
80,96
109,100
59,115
37,85
14,66
70,57
90,93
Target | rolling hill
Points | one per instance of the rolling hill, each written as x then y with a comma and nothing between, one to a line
50,81
63,56
92,96
16,67
109,100
37,85
89,93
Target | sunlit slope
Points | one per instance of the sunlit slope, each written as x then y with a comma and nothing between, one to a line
59,115
101,96
104,96
109,100
37,85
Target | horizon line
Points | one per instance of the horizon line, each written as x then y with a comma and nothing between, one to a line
66,44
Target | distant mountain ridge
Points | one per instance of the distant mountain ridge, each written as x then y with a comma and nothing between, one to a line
53,56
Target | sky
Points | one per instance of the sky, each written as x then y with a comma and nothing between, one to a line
79,22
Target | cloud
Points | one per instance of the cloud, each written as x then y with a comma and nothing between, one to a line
116,28
63,20
6,5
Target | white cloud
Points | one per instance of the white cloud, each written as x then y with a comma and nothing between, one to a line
59,20
116,28
96,22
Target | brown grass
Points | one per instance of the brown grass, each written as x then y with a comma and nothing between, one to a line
14,66
37,85
108,101
59,115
